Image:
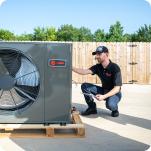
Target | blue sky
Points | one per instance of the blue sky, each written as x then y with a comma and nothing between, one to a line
20,16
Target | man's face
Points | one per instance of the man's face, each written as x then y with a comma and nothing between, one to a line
100,57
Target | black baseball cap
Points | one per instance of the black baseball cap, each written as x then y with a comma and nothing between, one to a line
100,49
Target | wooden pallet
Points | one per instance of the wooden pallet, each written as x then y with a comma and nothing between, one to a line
76,129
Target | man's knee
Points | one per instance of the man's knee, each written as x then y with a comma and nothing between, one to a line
111,105
84,86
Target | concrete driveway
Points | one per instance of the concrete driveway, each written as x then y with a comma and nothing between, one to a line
131,131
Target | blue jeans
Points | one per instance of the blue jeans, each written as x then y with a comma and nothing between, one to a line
111,102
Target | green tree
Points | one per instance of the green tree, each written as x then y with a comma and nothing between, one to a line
24,37
6,35
85,34
127,37
51,34
144,34
67,33
45,34
39,34
99,35
134,37
115,33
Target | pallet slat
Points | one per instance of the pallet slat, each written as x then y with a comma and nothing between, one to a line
48,131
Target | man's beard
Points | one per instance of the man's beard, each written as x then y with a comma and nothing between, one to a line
99,60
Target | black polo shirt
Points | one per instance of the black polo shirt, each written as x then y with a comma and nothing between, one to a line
109,76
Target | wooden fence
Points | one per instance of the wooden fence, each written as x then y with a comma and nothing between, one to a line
134,60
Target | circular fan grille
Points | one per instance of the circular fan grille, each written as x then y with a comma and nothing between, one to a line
19,80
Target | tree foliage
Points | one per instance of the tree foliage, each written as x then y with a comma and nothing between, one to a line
70,33
115,33
100,35
85,34
24,37
6,35
144,34
44,34
67,33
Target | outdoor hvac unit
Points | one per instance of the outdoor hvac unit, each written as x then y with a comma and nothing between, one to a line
35,82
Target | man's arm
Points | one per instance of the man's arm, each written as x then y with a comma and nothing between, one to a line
81,71
115,90
117,79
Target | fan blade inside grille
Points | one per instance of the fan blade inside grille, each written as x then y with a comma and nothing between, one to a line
3,69
11,101
23,74
27,74
32,91
11,61
24,93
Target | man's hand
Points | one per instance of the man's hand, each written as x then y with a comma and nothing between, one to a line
100,97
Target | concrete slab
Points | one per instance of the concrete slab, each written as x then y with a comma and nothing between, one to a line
129,132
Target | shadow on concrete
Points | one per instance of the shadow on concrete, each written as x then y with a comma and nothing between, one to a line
95,140
122,119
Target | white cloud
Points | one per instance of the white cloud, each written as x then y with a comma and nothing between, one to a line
1,2
149,1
